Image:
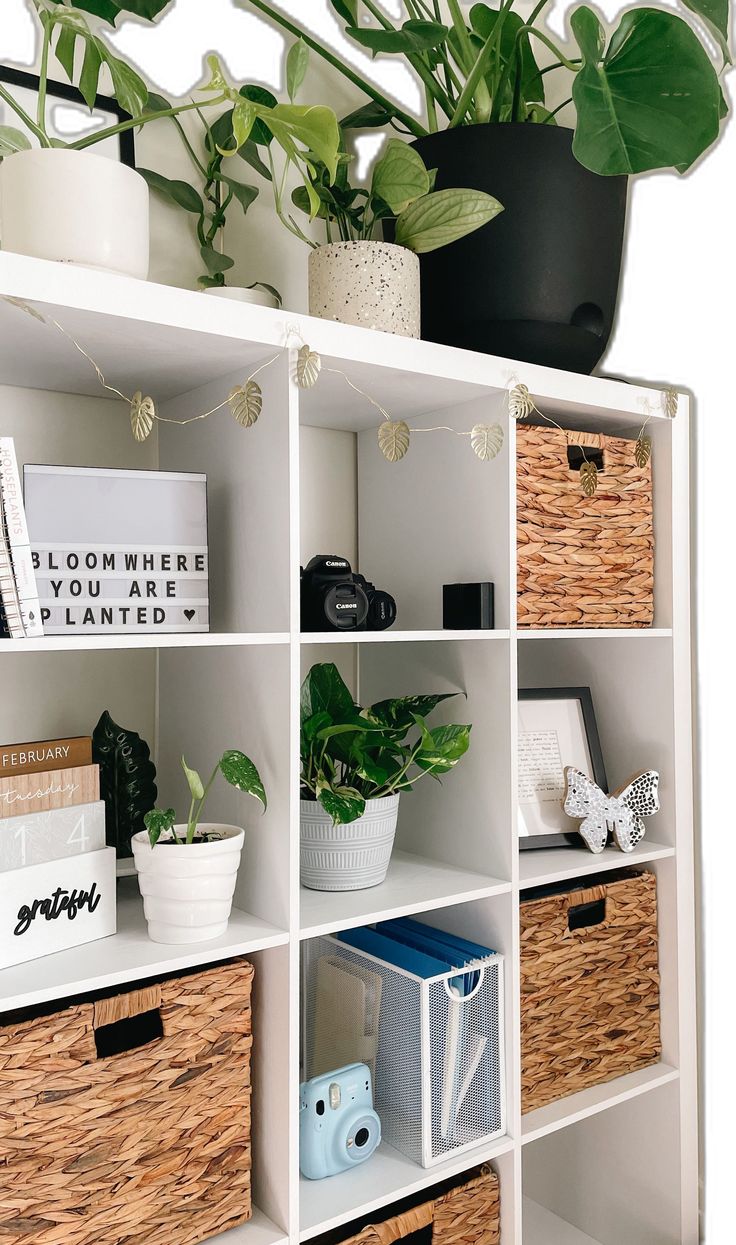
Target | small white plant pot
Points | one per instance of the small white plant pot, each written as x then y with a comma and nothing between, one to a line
75,207
241,294
373,284
350,857
188,889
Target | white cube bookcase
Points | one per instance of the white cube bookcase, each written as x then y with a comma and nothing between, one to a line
613,1164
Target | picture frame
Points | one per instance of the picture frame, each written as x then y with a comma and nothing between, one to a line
106,109
118,551
557,728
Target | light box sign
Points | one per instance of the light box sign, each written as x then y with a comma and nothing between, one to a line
118,551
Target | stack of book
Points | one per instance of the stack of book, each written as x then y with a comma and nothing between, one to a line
20,612
57,877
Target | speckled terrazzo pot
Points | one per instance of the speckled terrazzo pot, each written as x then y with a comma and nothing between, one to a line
373,284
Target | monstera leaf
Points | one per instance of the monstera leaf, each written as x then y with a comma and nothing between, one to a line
127,781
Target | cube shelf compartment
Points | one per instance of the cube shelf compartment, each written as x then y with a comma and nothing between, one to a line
309,478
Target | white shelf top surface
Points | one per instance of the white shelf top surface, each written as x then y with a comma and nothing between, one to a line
591,1101
167,341
541,1227
127,955
413,884
388,1175
538,867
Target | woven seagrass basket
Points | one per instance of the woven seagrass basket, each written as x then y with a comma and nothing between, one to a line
149,1145
582,561
589,987
469,1214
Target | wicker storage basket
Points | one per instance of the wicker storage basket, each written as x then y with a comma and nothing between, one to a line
582,561
467,1215
151,1145
589,987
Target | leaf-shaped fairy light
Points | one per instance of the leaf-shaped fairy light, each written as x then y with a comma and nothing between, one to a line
246,402
642,450
670,402
308,365
589,478
393,439
142,415
486,440
521,403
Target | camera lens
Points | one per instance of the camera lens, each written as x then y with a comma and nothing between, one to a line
345,606
382,612
362,1136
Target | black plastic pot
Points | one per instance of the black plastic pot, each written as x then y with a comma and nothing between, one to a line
539,283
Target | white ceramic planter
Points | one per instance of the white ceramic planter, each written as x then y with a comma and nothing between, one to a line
75,207
188,890
350,857
374,284
241,294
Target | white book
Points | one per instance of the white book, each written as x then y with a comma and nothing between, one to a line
17,577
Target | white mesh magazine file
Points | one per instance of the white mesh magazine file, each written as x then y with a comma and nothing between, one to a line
439,1085
118,551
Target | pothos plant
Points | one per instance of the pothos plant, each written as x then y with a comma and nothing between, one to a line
350,754
647,97
235,767
401,189
303,133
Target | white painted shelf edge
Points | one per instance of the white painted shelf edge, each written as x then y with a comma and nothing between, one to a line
153,640
413,884
555,864
127,956
388,1176
589,1102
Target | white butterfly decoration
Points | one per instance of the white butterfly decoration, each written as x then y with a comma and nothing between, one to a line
621,813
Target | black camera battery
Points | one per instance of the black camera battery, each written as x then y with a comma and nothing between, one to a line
467,607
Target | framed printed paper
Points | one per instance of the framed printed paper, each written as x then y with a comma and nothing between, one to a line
118,551
557,727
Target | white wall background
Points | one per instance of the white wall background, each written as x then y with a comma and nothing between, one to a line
676,325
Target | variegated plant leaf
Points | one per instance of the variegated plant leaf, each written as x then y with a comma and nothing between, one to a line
642,450
670,402
486,440
589,478
393,439
246,402
142,415
521,403
308,365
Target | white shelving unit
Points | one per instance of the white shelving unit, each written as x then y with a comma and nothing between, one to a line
612,1164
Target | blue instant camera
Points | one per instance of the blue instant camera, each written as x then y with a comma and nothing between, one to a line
338,1127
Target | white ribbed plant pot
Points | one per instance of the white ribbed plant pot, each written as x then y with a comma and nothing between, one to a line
75,207
373,284
188,889
350,857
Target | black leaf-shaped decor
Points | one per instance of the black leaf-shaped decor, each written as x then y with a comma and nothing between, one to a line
127,781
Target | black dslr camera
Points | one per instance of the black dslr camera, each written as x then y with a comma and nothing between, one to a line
335,599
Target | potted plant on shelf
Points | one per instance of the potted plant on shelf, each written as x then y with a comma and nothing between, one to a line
355,763
220,188
58,201
542,283
187,871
